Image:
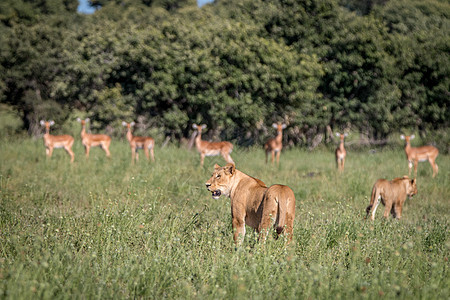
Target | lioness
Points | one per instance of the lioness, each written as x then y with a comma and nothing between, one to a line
392,194
253,203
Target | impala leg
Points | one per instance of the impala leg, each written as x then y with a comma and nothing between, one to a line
72,155
278,157
106,147
50,151
87,148
202,158
410,165
343,164
133,154
146,153
152,154
137,155
434,166
273,156
416,162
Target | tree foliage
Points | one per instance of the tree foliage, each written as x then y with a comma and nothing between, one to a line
371,66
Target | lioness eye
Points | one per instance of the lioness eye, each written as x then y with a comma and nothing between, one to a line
217,176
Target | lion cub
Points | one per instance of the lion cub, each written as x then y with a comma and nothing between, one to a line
253,203
392,194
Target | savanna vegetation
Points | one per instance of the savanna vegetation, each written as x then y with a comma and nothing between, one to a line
105,228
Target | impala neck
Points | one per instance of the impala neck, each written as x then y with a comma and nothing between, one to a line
279,136
341,145
198,138
83,130
129,135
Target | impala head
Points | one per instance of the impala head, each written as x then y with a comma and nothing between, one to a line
47,124
407,138
279,127
83,122
220,181
341,136
199,128
128,125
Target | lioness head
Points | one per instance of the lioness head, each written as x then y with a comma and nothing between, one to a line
411,187
220,181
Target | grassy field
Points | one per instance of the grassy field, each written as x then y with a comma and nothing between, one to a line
103,228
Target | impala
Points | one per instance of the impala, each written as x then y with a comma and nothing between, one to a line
94,140
56,141
275,144
340,152
211,148
416,154
139,142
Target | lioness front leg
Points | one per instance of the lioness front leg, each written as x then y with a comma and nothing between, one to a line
387,209
239,230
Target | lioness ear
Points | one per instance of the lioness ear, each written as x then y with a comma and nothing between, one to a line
216,167
413,182
230,168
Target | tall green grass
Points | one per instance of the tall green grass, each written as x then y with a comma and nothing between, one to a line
104,228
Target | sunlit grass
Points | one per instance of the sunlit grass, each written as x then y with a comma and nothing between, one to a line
105,228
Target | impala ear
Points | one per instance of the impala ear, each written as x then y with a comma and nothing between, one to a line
274,125
132,123
42,122
216,167
78,120
124,123
283,126
338,134
194,126
87,120
345,134
412,136
52,123
203,126
230,168
402,137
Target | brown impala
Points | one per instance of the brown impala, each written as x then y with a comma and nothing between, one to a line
340,152
275,145
56,141
94,140
211,148
416,154
139,142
